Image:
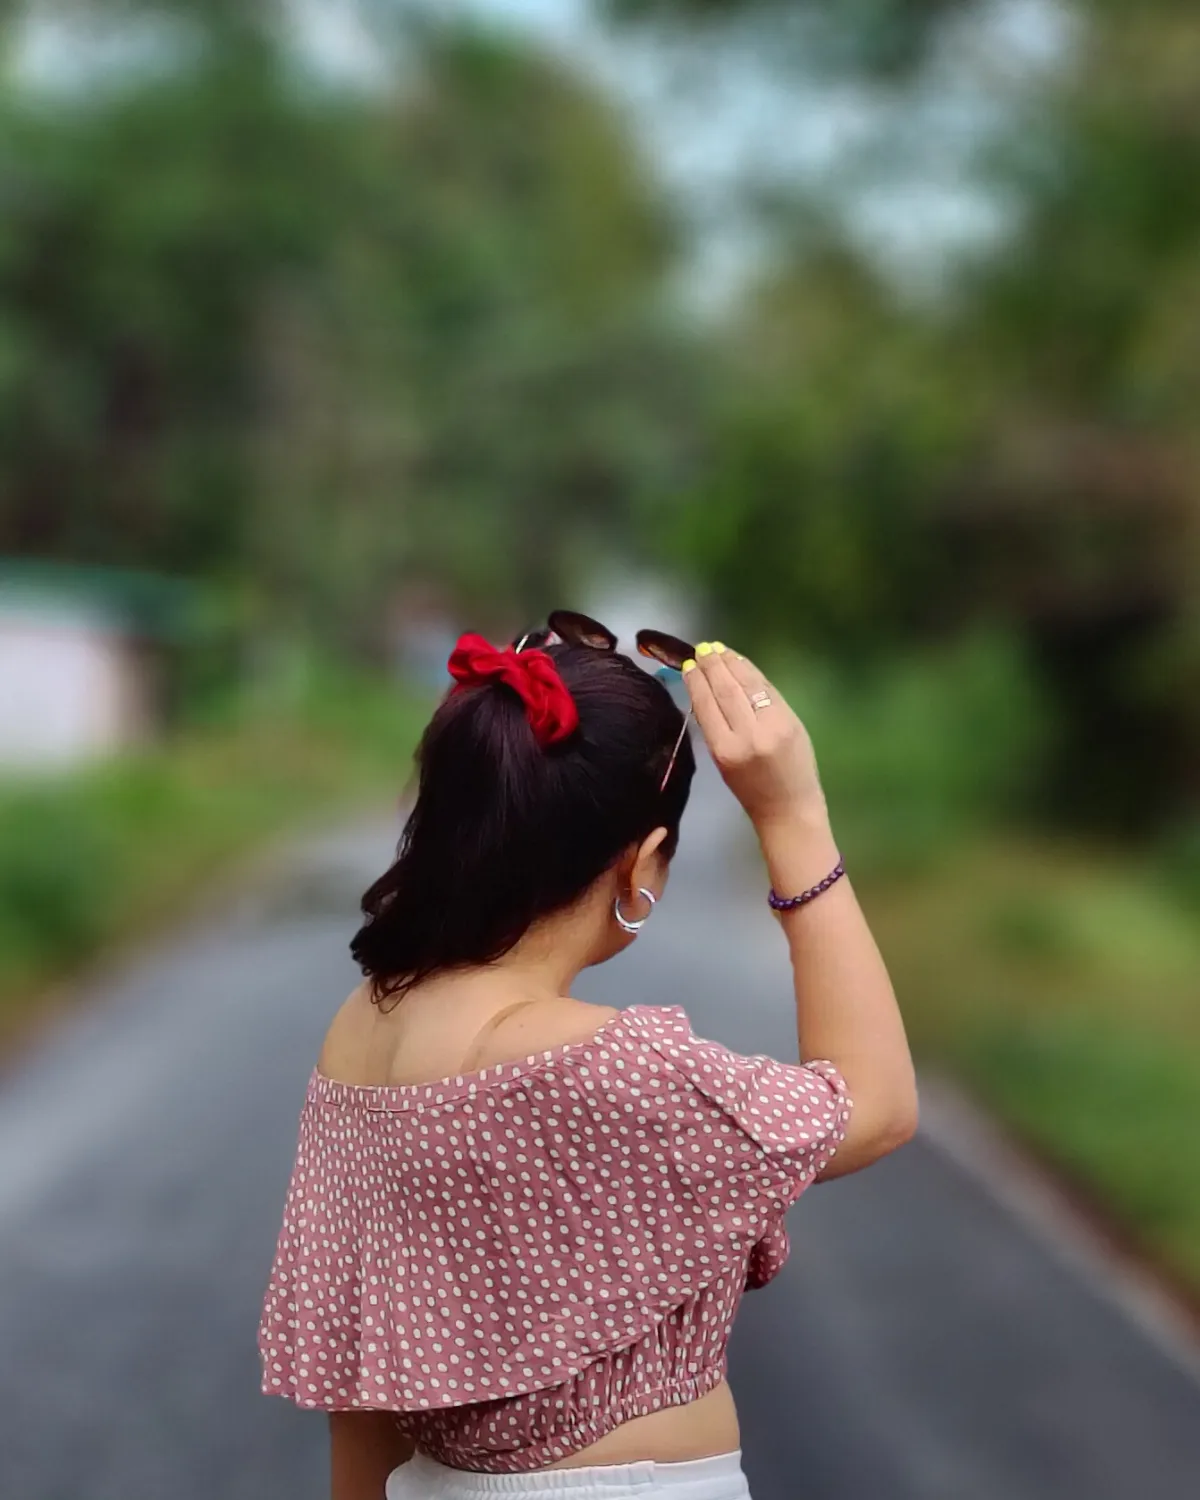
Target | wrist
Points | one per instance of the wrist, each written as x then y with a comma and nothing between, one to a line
805,822
798,852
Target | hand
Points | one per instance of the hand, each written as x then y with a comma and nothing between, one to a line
764,755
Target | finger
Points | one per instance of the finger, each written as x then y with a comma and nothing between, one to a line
729,693
751,679
712,722
746,673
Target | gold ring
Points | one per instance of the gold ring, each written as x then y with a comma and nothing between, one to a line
760,701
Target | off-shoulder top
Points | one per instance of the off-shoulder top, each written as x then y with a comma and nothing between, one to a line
517,1260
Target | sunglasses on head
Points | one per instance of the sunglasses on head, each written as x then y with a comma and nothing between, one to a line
570,628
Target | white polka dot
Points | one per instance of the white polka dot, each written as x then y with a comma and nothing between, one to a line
589,1218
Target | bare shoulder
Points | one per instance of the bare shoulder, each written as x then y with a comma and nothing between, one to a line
342,1044
567,1021
541,1026
425,1039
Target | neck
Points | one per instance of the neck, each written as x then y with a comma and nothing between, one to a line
549,958
546,962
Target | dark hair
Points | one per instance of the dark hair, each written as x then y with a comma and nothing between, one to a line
505,831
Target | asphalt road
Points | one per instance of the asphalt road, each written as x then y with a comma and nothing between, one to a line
921,1345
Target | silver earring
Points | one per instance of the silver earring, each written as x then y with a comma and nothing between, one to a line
623,921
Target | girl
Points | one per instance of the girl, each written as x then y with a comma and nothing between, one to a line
519,1226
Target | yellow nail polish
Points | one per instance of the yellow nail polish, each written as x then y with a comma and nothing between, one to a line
689,665
704,648
718,646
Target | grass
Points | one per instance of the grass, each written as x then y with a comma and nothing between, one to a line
1061,986
1059,983
89,860
1063,989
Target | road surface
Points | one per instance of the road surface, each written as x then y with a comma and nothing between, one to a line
922,1344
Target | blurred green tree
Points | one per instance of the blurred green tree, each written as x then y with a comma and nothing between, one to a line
1018,450
140,229
508,388
309,341
883,39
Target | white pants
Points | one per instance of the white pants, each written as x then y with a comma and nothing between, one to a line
716,1478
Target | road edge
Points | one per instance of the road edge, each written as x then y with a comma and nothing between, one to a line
965,1135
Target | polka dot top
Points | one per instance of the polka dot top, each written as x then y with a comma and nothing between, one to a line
519,1259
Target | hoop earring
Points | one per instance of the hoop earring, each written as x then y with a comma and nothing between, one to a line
623,921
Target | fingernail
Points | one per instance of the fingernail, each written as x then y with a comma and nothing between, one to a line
718,646
689,665
704,648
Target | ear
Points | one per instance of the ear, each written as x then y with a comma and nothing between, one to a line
648,867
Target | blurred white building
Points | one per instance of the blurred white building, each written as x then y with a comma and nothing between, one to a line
72,686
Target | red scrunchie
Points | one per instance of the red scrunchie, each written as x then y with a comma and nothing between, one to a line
532,674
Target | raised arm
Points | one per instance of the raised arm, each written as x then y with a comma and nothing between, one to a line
846,1009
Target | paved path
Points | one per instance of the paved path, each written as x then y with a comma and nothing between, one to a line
921,1345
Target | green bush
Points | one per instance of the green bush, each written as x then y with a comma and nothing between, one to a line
90,858
1112,1105
55,850
1179,861
922,749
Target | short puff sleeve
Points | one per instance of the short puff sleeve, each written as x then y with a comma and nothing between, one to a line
752,1131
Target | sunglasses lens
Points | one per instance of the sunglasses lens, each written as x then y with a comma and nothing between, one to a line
582,630
667,649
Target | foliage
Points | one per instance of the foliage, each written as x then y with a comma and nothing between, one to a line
87,861
884,38
511,388
814,513
320,342
140,233
1179,861
919,751
302,345
1060,984
309,345
1020,451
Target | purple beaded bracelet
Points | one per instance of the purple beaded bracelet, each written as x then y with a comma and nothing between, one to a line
789,903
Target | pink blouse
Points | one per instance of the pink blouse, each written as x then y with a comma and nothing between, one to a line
517,1260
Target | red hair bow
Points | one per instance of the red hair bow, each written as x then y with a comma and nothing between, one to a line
531,674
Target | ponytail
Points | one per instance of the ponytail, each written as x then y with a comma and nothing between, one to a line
511,825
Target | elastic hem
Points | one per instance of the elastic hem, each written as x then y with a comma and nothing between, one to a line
581,1434
586,1481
